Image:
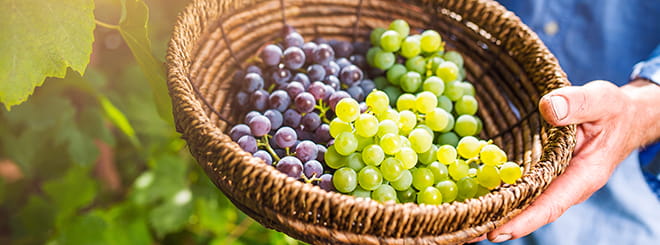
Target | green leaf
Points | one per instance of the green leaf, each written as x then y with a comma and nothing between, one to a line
127,225
164,180
39,39
173,214
71,192
33,222
118,119
133,28
87,229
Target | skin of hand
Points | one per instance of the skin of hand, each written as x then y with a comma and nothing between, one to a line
612,122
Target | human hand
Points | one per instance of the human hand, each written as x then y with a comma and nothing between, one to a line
612,122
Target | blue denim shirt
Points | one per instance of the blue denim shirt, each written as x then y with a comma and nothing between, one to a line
613,40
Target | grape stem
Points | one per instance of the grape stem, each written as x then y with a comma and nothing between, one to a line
264,142
323,110
310,180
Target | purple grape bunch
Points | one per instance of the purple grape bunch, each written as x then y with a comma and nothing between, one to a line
290,96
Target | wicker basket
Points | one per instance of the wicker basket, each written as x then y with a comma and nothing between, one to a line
509,66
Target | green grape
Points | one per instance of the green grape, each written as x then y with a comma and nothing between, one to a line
423,126
373,155
405,102
390,41
445,103
462,74
449,138
377,101
453,90
401,27
363,142
393,92
480,125
384,193
410,81
466,105
359,192
447,71
346,143
366,125
454,57
389,114
492,155
430,41
391,143
434,85
371,54
410,47
369,178
437,119
458,169
429,156
407,156
429,195
383,60
394,73
380,82
416,64
387,126
345,180
337,126
468,147
481,191
510,172
435,61
488,177
392,169
450,124
466,125
448,189
354,161
467,188
375,36
347,109
472,172
333,159
407,120
425,102
404,141
408,195
440,171
420,140
447,154
422,178
468,89
404,182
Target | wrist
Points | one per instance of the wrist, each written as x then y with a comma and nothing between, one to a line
644,107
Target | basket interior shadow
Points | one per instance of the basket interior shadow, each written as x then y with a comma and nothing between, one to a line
507,63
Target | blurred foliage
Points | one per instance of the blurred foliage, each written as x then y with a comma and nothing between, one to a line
97,163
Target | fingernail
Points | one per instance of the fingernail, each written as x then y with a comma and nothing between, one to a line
559,107
502,237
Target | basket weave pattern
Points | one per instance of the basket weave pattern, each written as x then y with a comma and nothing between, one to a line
507,63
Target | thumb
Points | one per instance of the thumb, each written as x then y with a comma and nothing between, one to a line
579,104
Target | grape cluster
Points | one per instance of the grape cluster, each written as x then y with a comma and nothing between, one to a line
416,141
290,94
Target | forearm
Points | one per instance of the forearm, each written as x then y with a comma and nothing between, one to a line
645,107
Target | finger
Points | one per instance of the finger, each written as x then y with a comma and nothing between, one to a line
579,104
570,188
478,239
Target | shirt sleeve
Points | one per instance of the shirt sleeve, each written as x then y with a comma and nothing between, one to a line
648,69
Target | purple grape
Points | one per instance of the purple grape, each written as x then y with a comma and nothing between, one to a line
343,62
326,182
280,152
304,135
323,54
290,166
242,98
317,89
264,155
238,131
305,102
292,118
259,99
271,55
350,75
306,150
253,82
328,92
367,85
309,48
279,100
311,121
248,143
280,76
336,97
322,133
275,117
361,47
294,58
356,92
293,39
320,40
301,78
320,155
332,81
363,107
358,60
294,89
313,169
251,115
331,68
342,48
316,72
285,137
253,69
259,126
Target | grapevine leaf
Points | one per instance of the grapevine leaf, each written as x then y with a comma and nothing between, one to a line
118,119
87,229
39,39
72,191
173,214
34,221
133,28
127,225
166,178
